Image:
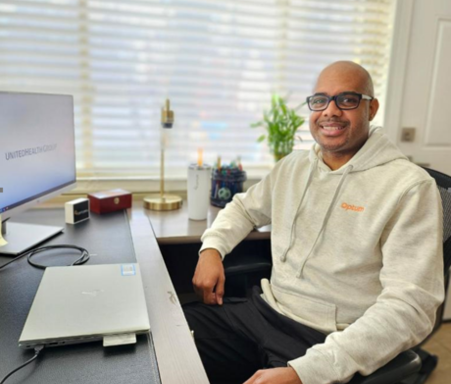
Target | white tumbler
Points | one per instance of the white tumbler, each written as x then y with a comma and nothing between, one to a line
198,191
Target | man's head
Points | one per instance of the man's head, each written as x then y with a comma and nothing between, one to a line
341,133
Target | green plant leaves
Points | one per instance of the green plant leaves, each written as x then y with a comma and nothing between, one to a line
281,124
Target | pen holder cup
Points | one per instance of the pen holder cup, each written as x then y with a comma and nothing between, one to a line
225,184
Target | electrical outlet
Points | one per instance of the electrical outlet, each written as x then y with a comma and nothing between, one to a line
408,135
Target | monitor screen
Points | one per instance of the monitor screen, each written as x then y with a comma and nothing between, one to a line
37,149
36,146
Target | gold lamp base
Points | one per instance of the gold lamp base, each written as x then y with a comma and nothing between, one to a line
165,203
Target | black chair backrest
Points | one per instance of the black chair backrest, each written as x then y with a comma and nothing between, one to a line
444,185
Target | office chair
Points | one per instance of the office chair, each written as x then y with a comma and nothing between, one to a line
410,367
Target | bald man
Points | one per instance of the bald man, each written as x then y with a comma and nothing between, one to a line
356,247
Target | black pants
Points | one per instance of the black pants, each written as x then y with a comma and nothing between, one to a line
244,335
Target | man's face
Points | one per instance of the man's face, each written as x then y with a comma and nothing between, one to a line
341,133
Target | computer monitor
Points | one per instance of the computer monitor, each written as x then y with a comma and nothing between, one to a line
37,161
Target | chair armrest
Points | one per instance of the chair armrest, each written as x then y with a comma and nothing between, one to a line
247,264
244,271
404,365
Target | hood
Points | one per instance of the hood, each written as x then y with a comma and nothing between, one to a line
377,150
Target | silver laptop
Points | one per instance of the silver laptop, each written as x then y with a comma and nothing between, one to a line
87,303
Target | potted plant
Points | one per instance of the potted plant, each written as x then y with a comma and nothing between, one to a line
281,124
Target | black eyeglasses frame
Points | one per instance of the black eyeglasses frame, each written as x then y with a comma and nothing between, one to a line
334,98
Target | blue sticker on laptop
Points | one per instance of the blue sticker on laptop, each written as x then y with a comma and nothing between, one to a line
128,270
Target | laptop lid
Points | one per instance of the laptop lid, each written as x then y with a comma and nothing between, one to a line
79,304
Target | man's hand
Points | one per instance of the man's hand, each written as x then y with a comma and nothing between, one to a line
209,277
275,376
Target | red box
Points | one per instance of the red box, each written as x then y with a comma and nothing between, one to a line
109,201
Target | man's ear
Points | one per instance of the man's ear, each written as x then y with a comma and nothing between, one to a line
374,106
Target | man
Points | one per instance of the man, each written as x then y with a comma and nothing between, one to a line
356,245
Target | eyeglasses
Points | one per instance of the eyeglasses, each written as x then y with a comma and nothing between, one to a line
343,101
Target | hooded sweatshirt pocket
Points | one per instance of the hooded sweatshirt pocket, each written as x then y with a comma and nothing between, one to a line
313,313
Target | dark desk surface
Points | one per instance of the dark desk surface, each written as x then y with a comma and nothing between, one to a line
109,238
178,360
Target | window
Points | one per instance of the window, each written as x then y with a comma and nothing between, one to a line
218,61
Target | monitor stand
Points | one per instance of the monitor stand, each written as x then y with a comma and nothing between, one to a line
22,237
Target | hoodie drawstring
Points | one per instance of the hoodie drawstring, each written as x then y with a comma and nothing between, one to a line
326,217
293,227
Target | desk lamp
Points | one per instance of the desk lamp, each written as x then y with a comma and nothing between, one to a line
163,202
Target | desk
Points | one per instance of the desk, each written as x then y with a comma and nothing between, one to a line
109,239
178,360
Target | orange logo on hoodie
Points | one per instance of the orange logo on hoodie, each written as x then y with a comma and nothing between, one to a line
352,207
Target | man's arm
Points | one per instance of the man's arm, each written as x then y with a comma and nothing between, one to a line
404,314
231,226
246,212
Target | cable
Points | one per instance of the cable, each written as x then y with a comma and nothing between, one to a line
37,351
81,260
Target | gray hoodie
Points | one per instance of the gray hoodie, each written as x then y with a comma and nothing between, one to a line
357,253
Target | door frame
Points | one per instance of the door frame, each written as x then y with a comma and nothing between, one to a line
399,53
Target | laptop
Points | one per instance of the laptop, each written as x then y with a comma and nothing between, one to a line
79,304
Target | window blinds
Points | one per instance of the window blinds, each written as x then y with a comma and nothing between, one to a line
218,61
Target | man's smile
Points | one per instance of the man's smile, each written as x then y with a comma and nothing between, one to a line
332,128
